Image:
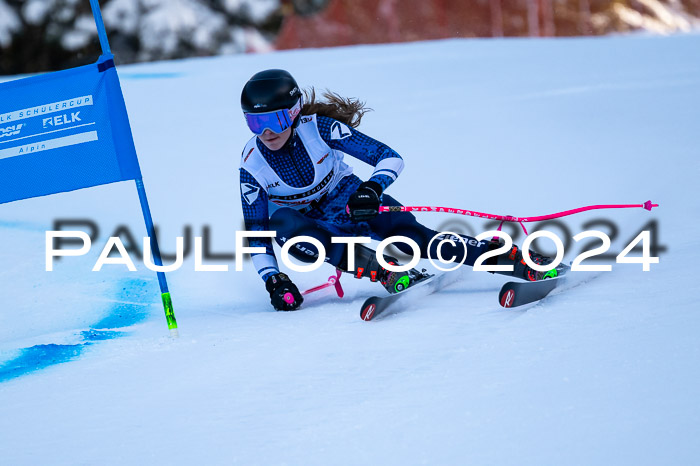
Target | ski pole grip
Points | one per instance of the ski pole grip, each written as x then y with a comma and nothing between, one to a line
288,298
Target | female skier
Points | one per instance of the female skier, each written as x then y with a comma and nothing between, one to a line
294,180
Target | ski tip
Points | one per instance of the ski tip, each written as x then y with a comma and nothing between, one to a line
508,298
368,311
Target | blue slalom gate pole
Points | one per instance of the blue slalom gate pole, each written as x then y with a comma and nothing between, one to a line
164,292
155,250
101,32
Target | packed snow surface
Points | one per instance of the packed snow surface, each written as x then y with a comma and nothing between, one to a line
603,373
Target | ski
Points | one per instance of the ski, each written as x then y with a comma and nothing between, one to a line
514,294
382,305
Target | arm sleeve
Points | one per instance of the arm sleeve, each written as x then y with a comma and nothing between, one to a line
256,217
386,162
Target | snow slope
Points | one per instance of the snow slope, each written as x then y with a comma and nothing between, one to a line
601,374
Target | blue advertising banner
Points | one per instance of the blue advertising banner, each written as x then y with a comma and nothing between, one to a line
64,131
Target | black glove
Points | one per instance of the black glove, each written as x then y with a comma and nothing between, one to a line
280,287
364,203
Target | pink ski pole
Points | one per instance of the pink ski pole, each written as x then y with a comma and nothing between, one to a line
508,218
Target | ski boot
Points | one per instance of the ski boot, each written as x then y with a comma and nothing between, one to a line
367,265
520,268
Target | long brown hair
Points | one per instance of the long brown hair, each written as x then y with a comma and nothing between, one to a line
344,109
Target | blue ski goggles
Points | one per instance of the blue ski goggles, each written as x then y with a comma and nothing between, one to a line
276,121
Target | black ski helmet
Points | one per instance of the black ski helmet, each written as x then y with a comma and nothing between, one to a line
270,90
